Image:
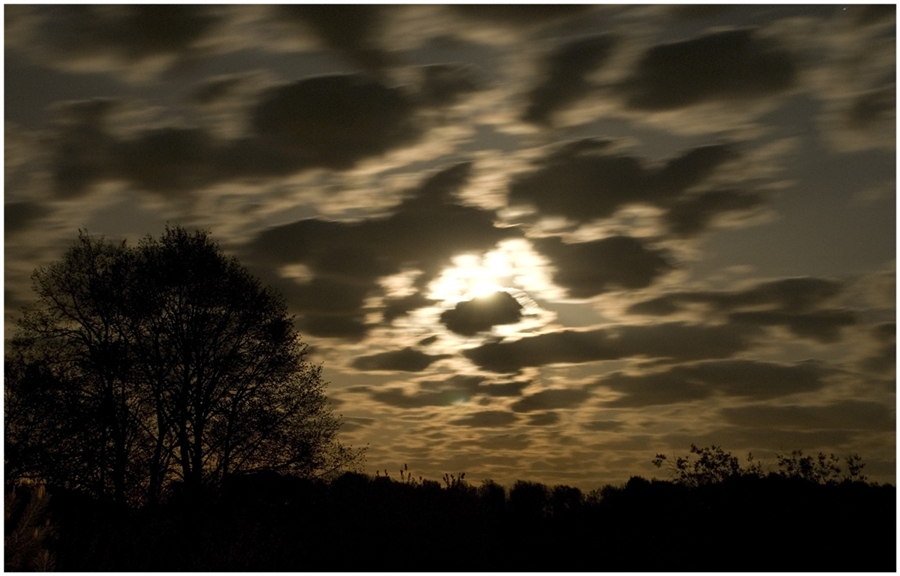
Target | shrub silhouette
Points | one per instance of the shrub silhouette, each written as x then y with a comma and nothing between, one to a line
713,465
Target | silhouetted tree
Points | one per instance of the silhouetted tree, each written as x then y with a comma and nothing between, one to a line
168,361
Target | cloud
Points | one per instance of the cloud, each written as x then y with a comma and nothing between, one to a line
845,415
553,399
587,179
399,398
794,303
566,76
482,313
543,419
694,214
885,359
81,148
800,294
486,419
328,306
519,15
350,30
447,84
738,377
453,390
331,122
74,36
602,425
351,423
21,216
732,65
586,269
671,341
406,360
335,121
396,307
822,325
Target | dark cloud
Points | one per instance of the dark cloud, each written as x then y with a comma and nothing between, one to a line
553,399
486,419
475,385
335,121
873,14
885,359
350,423
694,214
846,415
169,160
423,232
543,419
212,90
587,179
519,15
822,325
742,378
398,398
320,122
327,306
698,11
801,294
447,84
731,65
396,307
794,303
566,76
602,425
873,107
586,269
482,313
671,341
452,390
132,32
406,360
82,150
21,216
350,30
653,389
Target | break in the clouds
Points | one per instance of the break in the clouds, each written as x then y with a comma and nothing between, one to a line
518,238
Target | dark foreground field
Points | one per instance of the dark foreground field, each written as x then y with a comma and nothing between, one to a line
360,523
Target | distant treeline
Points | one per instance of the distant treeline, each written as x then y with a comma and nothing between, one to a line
743,521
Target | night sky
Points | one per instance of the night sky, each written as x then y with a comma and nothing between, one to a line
525,242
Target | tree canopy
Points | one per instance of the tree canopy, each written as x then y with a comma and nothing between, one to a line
167,362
